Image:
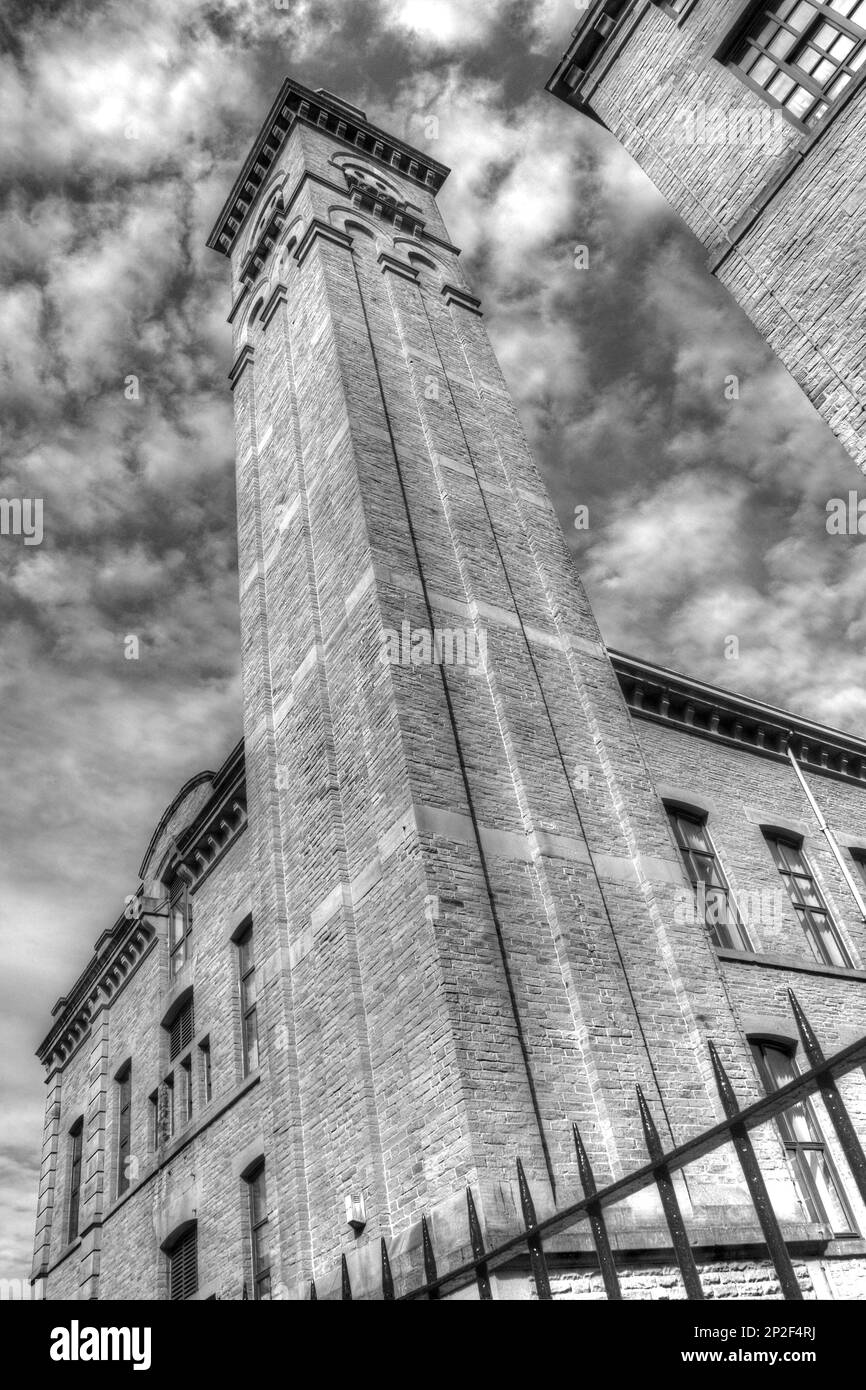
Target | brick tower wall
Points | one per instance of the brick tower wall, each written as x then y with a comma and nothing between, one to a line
463,877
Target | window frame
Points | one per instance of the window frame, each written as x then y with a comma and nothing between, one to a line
735,927
259,1221
739,34
179,949
206,1061
186,1090
76,1163
153,1117
803,910
123,1081
168,1083
248,1010
795,1149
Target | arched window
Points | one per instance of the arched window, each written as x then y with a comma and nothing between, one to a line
819,1189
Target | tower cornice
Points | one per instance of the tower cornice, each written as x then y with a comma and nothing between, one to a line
295,103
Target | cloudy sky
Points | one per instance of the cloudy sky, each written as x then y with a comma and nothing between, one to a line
122,127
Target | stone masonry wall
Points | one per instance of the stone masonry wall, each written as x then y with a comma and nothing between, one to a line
714,147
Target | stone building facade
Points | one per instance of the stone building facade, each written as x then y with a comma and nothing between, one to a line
438,907
751,121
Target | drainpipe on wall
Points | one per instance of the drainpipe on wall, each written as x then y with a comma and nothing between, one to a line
827,832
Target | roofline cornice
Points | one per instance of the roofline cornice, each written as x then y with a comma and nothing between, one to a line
117,950
594,40
295,103
707,711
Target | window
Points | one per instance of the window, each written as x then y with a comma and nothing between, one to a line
206,1075
76,1139
712,894
169,1103
179,928
124,1127
807,901
802,54
249,1025
259,1233
815,1178
154,1120
181,1031
186,1097
859,857
183,1266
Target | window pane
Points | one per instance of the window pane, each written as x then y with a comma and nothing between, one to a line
801,15
245,952
781,44
829,1196
799,101
251,1042
840,47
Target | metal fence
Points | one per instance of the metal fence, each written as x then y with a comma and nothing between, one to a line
734,1129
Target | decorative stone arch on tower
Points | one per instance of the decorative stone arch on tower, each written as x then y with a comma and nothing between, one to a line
353,222
425,261
359,172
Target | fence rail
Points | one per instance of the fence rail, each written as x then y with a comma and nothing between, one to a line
734,1129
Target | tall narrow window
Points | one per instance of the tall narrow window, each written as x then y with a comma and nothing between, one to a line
807,901
713,896
249,1024
183,1266
818,1187
179,928
76,1140
186,1098
259,1233
800,55
206,1074
154,1120
169,1103
124,1128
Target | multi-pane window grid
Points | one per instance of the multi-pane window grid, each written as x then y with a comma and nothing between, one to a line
803,54
259,1234
721,916
809,905
179,928
183,1266
124,1131
815,1178
76,1138
249,1024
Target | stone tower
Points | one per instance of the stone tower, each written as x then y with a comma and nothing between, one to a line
465,936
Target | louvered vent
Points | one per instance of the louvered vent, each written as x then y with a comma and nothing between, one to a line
183,1266
182,1031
